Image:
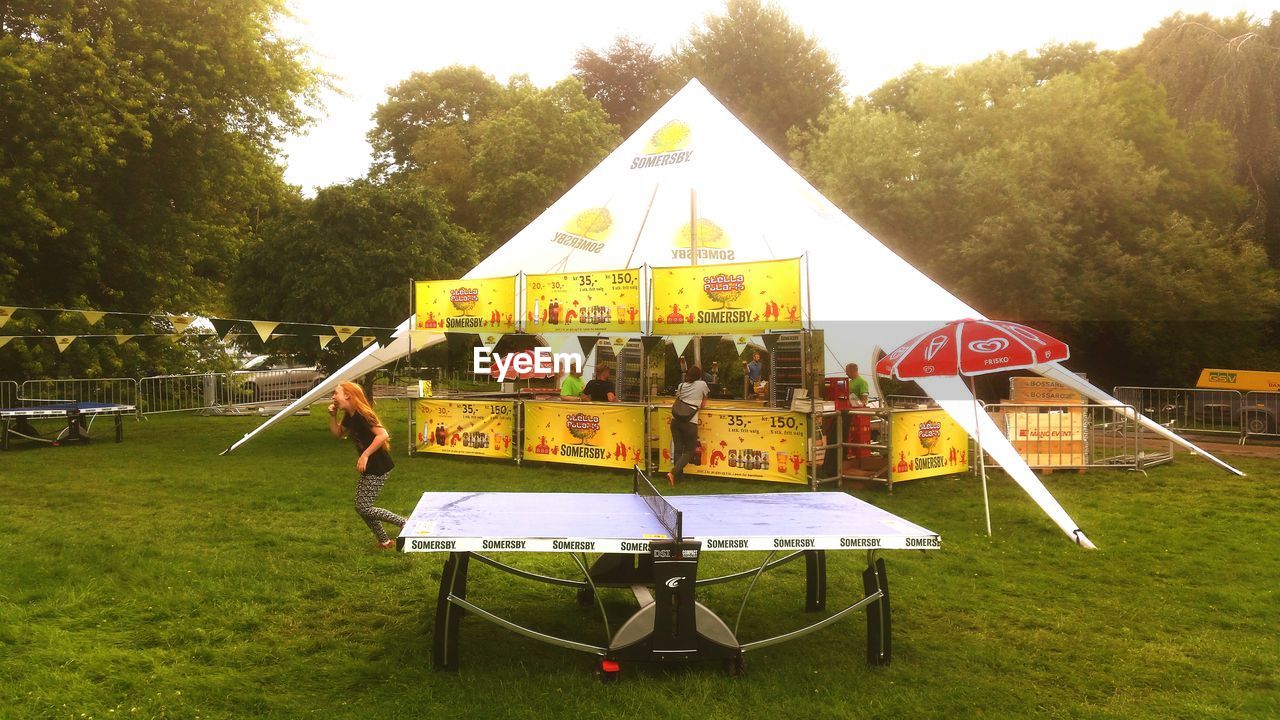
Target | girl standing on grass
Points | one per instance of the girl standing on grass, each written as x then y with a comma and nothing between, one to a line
374,464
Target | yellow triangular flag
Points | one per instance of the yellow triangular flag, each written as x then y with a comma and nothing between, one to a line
92,316
181,322
325,340
6,312
230,338
122,339
4,339
64,341
264,328
345,331
365,340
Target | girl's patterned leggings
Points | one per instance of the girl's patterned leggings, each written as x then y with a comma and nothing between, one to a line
367,489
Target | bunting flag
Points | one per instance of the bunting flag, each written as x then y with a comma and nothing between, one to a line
223,328
680,342
345,331
64,341
741,342
181,322
122,339
489,340
93,317
588,345
4,340
6,312
617,342
365,340
264,328
326,339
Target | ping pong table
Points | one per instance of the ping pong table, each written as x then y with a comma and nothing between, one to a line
652,545
78,416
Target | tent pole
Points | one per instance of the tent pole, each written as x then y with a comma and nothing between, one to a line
982,460
693,260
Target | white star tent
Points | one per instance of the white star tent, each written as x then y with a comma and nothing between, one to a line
693,158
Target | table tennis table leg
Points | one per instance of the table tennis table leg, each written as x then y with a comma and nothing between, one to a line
453,582
119,428
815,580
879,629
4,440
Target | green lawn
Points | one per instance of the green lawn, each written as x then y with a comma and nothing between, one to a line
156,579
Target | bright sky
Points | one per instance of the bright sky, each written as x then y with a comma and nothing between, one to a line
374,44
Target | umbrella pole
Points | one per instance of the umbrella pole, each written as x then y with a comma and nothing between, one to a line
982,459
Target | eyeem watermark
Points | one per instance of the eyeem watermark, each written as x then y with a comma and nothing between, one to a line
542,361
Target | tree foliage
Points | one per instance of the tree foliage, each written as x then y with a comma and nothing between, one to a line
349,255
498,154
1226,70
764,68
138,139
627,79
1064,198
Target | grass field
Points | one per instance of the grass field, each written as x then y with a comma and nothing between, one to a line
155,579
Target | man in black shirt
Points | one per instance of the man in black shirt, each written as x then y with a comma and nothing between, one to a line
600,389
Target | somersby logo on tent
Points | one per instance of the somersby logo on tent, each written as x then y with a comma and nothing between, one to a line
667,146
713,242
588,230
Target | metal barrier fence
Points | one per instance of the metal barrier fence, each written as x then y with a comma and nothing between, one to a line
1194,411
118,391
1260,413
181,393
1079,436
9,392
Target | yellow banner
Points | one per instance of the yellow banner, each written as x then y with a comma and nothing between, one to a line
1242,380
591,303
596,434
485,306
463,427
742,444
731,299
925,443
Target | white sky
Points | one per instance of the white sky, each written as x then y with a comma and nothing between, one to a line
374,44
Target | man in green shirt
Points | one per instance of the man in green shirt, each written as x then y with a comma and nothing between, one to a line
572,385
859,389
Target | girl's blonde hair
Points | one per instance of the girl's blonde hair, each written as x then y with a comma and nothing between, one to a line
362,406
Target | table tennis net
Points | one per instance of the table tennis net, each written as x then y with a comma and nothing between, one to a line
666,513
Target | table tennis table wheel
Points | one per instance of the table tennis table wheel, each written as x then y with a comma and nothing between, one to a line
736,667
609,670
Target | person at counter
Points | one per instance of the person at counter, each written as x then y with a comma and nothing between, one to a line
600,389
754,372
859,389
571,387
691,396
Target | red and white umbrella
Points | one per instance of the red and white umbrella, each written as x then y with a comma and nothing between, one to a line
977,347
972,347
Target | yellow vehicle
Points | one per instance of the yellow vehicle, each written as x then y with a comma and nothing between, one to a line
1255,404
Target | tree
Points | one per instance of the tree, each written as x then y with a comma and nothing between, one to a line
1073,201
529,155
139,139
1226,70
766,70
497,154
348,257
625,80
